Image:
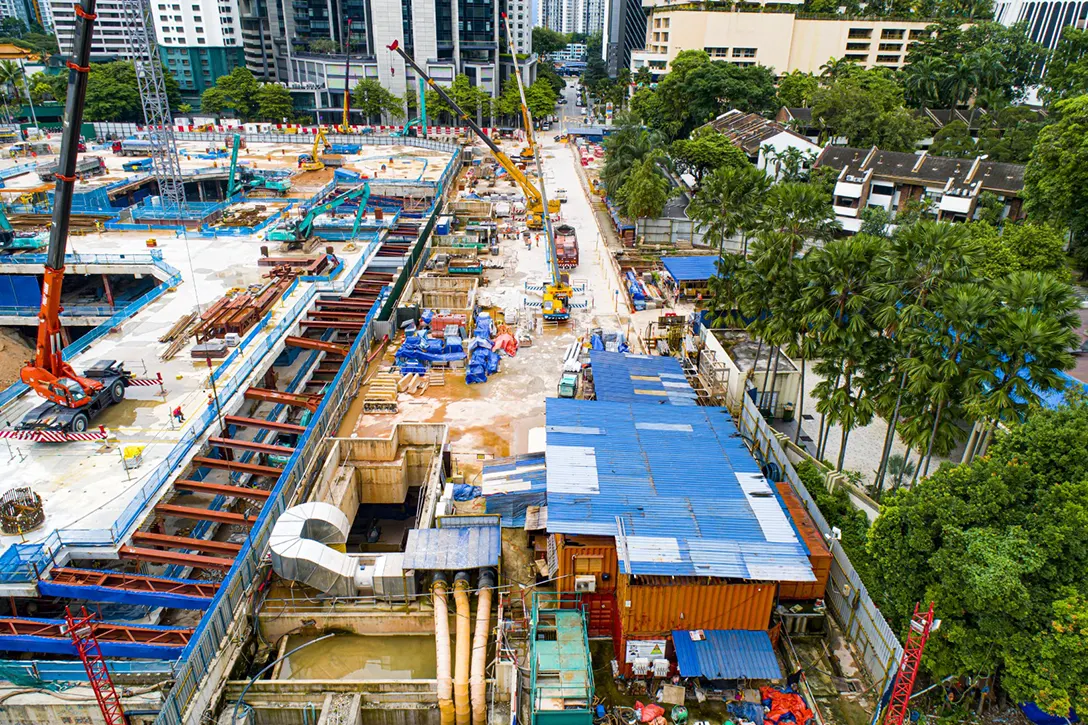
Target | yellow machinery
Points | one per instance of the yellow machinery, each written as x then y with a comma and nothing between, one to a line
320,144
557,290
534,201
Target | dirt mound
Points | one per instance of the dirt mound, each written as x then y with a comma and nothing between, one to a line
14,354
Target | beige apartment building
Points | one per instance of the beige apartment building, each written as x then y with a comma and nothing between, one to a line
777,38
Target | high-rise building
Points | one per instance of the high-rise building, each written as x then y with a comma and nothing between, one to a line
108,42
1045,19
624,32
446,37
31,12
590,17
199,40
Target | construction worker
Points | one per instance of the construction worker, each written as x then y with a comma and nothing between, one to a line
178,415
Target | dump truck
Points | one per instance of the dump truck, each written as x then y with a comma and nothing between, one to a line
566,246
89,166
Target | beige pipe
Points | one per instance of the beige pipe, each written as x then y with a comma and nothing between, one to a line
477,681
464,637
442,651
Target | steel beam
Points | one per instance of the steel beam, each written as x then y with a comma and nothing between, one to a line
222,489
185,543
133,582
198,514
103,631
307,343
237,467
156,556
279,398
333,325
338,315
243,422
254,446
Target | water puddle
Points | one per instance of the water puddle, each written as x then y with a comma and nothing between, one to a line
358,657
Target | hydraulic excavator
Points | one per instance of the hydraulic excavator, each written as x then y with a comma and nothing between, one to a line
72,400
295,234
534,201
244,179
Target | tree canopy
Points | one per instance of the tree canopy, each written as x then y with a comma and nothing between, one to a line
1056,178
706,151
1067,68
112,94
372,99
1000,545
546,40
866,108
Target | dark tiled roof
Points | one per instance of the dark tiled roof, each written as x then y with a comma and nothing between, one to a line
748,130
838,157
801,115
1001,177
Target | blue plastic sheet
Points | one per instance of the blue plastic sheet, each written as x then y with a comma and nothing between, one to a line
752,711
466,492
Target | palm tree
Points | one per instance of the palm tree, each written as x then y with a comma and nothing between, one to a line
802,212
835,67
924,80
839,310
625,149
11,74
922,259
899,468
946,346
770,156
1024,349
730,200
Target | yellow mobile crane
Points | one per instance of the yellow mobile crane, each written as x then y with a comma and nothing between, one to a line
557,290
534,202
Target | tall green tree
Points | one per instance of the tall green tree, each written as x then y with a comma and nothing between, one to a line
1056,178
954,140
274,103
547,41
730,201
373,100
839,308
645,191
1000,546
1067,68
922,259
235,93
797,89
706,151
865,107
541,98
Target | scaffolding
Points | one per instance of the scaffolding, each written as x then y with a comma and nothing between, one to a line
562,669
151,81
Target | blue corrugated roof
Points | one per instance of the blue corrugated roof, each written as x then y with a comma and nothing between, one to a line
726,654
620,377
510,485
691,269
467,547
675,484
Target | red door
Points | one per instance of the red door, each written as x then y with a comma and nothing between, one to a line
601,619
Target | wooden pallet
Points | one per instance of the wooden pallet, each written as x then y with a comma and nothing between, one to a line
381,394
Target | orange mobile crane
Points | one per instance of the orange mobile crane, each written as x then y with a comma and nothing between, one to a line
72,400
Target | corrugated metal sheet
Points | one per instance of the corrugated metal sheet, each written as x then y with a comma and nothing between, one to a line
511,485
650,607
726,655
620,377
468,547
677,473
691,269
819,556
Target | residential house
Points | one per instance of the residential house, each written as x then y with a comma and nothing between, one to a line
891,179
766,143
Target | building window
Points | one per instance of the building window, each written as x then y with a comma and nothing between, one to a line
892,34
200,40
895,47
856,58
857,46
744,52
717,52
919,34
887,59
588,564
860,33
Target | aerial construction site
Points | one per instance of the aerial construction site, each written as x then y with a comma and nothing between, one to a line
325,426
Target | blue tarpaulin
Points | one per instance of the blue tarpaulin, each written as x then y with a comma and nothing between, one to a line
726,654
1034,713
691,269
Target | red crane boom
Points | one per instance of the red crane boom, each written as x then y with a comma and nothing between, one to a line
921,624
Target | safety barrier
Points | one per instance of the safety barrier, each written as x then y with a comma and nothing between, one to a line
204,645
16,389
849,601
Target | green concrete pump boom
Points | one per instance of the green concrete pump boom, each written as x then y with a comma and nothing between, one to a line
233,186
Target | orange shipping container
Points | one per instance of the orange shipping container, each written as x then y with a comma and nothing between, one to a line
586,556
656,605
819,556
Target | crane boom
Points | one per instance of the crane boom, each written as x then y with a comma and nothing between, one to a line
49,364
533,200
